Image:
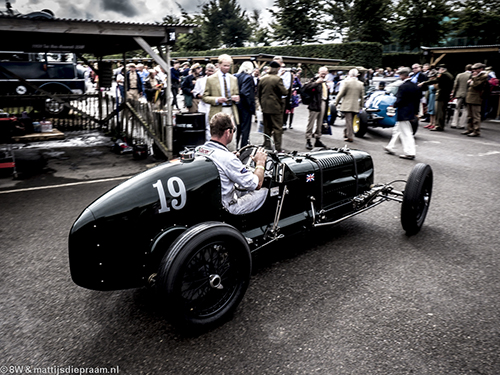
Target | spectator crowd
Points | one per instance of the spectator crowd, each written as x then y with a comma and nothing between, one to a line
269,96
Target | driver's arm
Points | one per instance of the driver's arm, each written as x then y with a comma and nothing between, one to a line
260,164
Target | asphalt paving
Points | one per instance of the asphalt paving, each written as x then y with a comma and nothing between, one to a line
357,298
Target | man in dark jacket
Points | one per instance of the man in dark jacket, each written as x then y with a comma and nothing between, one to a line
187,87
407,102
246,105
317,108
445,82
176,83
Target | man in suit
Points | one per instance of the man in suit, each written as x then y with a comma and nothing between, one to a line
351,92
270,92
222,92
407,102
460,92
246,106
417,77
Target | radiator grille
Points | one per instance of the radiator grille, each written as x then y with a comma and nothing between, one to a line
334,160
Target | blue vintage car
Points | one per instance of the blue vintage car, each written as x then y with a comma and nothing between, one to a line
375,112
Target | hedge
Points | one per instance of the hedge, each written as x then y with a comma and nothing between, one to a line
395,60
364,54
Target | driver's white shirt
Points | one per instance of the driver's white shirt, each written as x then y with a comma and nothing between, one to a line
232,171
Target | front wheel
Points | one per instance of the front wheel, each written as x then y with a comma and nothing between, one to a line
204,275
360,124
416,198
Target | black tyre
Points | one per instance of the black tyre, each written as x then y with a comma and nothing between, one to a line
204,275
416,198
360,124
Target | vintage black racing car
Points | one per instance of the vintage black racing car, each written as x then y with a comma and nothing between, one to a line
167,227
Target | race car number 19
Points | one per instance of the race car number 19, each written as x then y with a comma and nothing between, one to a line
176,190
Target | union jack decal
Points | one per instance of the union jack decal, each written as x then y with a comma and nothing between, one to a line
310,177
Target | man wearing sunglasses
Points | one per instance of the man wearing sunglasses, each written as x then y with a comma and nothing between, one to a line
248,195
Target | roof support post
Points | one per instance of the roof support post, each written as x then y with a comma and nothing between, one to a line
166,67
438,59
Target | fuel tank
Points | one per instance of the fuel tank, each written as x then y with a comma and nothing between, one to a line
110,244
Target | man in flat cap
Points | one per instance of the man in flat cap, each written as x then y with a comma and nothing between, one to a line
445,81
477,85
133,83
270,92
352,95
187,88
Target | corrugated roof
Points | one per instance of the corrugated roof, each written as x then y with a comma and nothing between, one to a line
83,36
100,21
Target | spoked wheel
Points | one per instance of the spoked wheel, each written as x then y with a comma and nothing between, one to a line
204,275
416,198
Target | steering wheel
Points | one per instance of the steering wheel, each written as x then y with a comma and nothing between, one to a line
245,154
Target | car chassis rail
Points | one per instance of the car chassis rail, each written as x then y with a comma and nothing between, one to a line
363,202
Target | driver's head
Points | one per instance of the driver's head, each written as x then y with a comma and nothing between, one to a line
222,127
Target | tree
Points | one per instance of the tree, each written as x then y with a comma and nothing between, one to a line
371,21
222,22
422,23
296,21
360,20
260,34
477,20
186,42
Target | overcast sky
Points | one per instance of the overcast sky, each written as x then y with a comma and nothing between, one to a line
142,11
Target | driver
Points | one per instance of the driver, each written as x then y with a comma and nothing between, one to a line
231,169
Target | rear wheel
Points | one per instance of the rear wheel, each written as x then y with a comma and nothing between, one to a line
416,198
204,275
360,124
